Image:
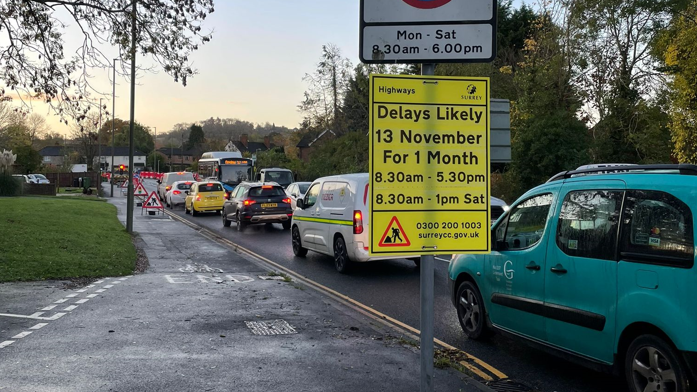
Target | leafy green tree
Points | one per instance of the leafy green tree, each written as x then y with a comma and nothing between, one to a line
143,140
28,158
156,160
196,137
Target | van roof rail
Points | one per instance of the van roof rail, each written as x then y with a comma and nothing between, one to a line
683,169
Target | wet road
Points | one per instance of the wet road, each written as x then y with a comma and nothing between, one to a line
392,287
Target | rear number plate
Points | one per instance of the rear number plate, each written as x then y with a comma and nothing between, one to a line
269,205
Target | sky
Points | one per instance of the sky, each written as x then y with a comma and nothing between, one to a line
251,70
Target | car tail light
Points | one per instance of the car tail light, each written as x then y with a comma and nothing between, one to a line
198,197
176,193
357,222
249,202
286,200
227,196
167,188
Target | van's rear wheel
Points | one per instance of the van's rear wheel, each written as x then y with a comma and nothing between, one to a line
652,364
298,249
341,259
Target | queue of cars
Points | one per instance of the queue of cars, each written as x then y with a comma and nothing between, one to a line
32,178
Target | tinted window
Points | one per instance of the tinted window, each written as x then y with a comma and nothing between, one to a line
588,224
173,177
239,192
266,192
657,228
525,224
184,186
311,196
303,187
280,177
212,187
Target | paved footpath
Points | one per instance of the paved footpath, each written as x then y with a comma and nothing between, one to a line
202,318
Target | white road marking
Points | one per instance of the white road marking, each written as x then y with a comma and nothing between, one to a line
49,307
6,343
21,335
92,295
60,301
90,286
71,296
170,279
55,316
99,281
99,291
116,282
108,286
39,326
70,308
81,290
82,301
122,279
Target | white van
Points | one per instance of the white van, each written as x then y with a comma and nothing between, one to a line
332,219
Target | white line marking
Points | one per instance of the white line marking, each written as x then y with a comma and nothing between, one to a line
82,301
71,296
70,308
35,316
122,279
49,307
21,335
92,295
108,286
39,326
99,281
90,286
6,343
81,290
60,301
116,282
54,317
99,291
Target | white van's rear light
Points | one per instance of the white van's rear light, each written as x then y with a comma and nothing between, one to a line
357,222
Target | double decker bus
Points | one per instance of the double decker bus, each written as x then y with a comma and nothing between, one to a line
227,167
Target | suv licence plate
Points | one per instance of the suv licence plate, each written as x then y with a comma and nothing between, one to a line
269,205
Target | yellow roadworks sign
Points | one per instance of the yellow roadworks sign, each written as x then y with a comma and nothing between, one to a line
429,165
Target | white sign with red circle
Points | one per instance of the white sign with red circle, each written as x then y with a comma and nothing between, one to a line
427,31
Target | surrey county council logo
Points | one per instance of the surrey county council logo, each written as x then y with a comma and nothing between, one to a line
427,4
471,89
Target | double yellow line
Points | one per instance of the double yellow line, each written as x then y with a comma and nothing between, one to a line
482,369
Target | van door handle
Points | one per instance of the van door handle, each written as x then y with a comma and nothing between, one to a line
532,266
559,269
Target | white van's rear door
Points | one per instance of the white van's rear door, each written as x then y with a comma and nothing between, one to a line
335,201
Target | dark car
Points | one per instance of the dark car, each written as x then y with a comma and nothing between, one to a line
257,203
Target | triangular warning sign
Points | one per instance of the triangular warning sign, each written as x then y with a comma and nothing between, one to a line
394,235
124,184
140,190
153,202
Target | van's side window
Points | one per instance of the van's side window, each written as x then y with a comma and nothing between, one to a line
311,196
588,224
526,223
657,229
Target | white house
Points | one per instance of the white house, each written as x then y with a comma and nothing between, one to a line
121,158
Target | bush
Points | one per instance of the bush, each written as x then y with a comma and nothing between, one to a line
10,186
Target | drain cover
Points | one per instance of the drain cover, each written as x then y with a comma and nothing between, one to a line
508,386
275,327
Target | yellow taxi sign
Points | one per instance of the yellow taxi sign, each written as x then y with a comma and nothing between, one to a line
429,165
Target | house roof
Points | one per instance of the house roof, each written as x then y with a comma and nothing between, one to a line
55,151
309,138
252,146
59,151
121,152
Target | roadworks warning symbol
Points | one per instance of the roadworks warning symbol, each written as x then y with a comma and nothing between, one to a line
153,202
394,235
140,191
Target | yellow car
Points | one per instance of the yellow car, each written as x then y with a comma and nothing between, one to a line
204,196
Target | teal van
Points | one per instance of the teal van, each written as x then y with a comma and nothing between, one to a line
597,265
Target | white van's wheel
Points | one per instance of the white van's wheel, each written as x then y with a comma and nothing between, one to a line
298,249
341,259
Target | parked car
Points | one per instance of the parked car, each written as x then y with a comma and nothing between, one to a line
38,179
498,208
297,191
176,195
23,178
257,202
165,184
204,197
596,265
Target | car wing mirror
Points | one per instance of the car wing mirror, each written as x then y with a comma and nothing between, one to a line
301,204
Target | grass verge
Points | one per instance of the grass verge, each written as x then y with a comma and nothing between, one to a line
56,238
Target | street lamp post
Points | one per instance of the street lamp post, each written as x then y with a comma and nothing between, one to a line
99,149
156,162
129,202
113,118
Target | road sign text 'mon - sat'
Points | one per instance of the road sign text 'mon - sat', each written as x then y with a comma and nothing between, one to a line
429,165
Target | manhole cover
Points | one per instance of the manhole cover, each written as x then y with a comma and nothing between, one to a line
275,327
508,386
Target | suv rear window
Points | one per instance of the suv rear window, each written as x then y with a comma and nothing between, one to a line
174,177
212,187
184,186
266,192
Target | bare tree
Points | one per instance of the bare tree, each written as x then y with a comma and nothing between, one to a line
35,64
85,134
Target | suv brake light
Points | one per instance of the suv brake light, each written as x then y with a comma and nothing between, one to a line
286,200
357,222
249,202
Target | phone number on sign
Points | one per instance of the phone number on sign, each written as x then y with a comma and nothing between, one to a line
447,226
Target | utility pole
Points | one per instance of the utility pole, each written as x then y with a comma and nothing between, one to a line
156,162
113,117
181,155
99,148
129,202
